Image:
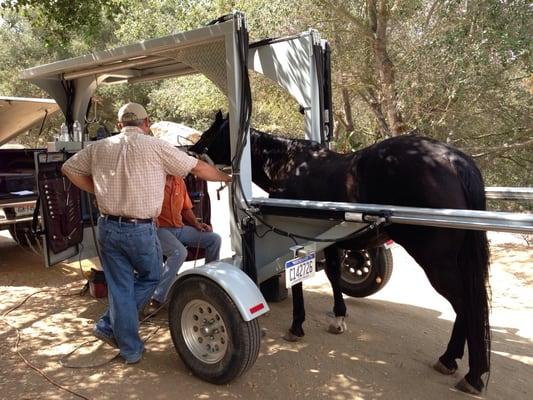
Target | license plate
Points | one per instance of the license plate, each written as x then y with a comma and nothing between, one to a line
299,269
23,211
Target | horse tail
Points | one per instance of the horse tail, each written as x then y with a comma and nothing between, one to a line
474,258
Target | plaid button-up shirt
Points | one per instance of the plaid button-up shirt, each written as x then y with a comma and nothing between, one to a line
129,171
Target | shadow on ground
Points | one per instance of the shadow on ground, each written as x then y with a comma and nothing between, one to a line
386,353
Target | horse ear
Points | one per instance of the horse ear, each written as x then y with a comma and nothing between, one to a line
219,115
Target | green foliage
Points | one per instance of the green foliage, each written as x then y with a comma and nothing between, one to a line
153,18
192,101
463,70
463,75
274,110
463,81
61,18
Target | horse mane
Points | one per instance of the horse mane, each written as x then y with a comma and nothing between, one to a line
277,143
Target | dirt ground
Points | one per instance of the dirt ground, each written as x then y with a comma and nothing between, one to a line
393,338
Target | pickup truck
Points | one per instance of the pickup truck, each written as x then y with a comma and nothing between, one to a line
17,166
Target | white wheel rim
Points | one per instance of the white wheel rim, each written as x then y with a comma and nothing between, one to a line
356,274
204,331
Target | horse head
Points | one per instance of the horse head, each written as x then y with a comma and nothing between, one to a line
215,142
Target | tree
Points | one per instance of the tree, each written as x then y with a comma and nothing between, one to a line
63,18
459,71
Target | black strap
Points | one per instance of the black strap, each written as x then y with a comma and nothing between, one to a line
35,218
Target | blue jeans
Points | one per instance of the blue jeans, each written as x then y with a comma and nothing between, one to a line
173,242
131,258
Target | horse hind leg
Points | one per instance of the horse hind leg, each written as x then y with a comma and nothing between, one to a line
472,382
478,354
446,279
447,364
337,323
474,263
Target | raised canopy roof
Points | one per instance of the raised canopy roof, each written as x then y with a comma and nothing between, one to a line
18,114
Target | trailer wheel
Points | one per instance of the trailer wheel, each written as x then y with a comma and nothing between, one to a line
365,272
208,331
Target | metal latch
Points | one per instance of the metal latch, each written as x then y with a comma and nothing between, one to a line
298,251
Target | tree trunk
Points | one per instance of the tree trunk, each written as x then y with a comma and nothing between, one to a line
378,17
376,109
347,106
373,27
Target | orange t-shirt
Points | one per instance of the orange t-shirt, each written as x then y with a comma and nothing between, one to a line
176,200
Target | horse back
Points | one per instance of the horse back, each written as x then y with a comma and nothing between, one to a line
416,171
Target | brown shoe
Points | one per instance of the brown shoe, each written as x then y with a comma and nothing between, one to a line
152,308
134,360
104,338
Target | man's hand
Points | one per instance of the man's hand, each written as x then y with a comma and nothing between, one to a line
209,173
203,227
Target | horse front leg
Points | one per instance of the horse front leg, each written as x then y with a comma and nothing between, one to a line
333,272
296,332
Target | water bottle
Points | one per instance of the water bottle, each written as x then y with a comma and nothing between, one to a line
63,132
76,130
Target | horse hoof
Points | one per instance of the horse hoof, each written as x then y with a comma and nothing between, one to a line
337,326
291,337
466,387
443,369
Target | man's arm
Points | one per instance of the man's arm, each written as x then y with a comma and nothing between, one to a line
84,182
190,219
78,169
209,173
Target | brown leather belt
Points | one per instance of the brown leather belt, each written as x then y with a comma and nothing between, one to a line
128,219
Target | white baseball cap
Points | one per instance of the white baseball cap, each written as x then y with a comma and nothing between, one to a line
132,112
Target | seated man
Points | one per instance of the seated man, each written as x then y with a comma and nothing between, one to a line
178,227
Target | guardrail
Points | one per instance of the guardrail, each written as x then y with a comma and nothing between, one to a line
439,217
509,193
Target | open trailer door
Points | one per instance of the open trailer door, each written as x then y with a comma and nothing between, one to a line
17,172
19,114
59,204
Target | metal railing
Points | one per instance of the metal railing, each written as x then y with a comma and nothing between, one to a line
438,217
509,193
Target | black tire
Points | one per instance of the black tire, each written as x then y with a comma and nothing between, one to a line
365,272
231,344
22,234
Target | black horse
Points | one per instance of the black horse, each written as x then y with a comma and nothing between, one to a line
408,170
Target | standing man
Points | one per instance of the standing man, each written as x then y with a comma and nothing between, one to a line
178,227
127,174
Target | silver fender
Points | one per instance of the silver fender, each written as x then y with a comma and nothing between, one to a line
239,287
